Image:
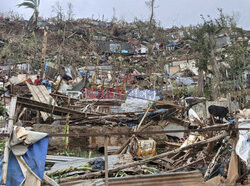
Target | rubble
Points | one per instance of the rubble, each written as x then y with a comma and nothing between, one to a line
146,120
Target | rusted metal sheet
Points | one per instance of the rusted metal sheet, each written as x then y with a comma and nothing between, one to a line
172,179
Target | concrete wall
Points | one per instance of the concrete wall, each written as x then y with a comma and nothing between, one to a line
202,108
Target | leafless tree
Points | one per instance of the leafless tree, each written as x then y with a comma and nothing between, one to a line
70,13
151,5
114,19
58,10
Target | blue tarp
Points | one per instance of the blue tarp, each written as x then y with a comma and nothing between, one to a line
131,124
35,158
83,74
172,44
185,80
153,113
124,51
45,66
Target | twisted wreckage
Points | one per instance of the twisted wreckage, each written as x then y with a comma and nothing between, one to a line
109,124
145,138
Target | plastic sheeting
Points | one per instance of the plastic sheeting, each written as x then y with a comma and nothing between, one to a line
137,99
243,145
193,115
185,81
35,158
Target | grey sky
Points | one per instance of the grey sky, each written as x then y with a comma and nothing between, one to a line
169,13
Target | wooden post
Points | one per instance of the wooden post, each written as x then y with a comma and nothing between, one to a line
128,141
205,110
106,160
44,53
137,128
4,102
6,150
67,132
229,103
233,168
37,116
58,86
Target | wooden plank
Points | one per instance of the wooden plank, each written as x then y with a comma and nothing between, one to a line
6,150
106,160
36,98
38,95
128,141
46,95
36,105
44,52
41,94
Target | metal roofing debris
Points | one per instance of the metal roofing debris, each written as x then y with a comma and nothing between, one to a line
41,94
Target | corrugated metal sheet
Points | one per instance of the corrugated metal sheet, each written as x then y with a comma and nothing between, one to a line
41,94
193,178
171,179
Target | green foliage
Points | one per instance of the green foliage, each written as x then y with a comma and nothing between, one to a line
64,172
2,145
179,92
149,171
207,92
121,174
90,84
236,56
202,39
34,5
3,110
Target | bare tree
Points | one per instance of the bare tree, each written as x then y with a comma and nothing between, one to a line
58,10
70,13
151,5
114,19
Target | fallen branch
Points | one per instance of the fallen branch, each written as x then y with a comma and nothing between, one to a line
49,181
140,162
213,163
185,166
70,169
128,141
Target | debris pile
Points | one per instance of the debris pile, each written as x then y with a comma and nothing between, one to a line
108,94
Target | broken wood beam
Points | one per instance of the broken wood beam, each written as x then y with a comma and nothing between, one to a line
106,160
128,141
96,174
58,86
214,162
7,143
173,143
36,105
49,181
185,166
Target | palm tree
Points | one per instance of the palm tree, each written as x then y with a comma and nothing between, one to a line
34,5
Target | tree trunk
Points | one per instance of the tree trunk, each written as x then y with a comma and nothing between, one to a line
152,11
36,17
42,75
201,84
216,74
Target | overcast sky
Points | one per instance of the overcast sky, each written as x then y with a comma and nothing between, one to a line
169,12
